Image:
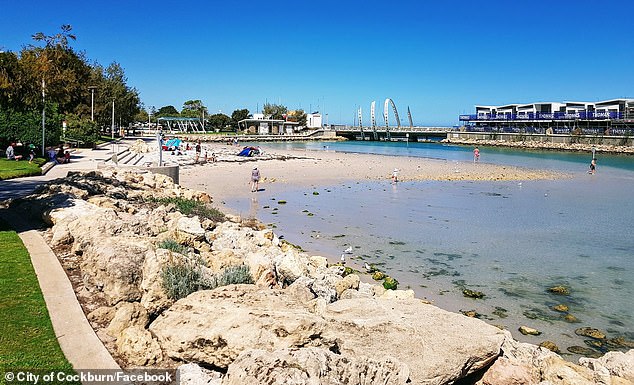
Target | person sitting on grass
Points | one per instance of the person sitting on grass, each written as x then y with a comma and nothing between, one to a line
61,157
11,153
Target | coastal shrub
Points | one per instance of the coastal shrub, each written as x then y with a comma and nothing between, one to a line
181,279
172,245
192,207
233,275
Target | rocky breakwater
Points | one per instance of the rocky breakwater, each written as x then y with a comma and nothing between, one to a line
545,145
166,281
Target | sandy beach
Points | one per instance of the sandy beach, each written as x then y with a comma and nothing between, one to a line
315,168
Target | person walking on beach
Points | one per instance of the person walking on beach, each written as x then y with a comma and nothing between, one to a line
255,179
476,155
198,150
593,166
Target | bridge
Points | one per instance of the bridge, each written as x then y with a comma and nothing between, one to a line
394,134
387,133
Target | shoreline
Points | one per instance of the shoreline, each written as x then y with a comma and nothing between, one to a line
307,168
296,308
549,146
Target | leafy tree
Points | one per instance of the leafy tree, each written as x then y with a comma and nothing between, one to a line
275,111
113,86
194,109
219,121
239,115
81,129
9,77
298,116
166,111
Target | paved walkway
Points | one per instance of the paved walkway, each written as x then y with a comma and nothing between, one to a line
81,159
76,337
78,341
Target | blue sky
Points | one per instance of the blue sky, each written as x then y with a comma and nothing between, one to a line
440,58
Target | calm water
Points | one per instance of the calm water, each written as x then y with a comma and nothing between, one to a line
510,240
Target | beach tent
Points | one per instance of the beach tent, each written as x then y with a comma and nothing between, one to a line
172,144
245,152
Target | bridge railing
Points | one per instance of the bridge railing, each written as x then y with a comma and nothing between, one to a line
582,115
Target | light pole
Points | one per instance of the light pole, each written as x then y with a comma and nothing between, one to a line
43,119
92,103
112,126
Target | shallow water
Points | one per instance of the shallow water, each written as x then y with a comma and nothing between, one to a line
509,240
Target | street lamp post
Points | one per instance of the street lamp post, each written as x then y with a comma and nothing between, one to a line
92,103
112,126
43,120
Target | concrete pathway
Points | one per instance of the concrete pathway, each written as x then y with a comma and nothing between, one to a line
76,337
78,341
81,159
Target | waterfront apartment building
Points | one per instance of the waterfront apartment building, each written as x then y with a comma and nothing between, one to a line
608,117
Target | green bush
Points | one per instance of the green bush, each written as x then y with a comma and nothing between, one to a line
172,245
233,275
192,207
182,279
81,129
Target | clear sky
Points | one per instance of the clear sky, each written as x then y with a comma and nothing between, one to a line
440,58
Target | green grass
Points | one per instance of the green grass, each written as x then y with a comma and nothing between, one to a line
27,339
15,169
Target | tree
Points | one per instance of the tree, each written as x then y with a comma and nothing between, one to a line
166,111
9,79
239,115
219,121
275,111
194,109
65,77
298,116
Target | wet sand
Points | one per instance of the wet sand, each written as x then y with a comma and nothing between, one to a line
315,168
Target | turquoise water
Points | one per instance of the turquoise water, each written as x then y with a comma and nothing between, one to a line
510,240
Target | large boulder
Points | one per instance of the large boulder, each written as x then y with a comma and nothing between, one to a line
313,366
138,347
114,267
214,327
438,346
522,363
612,364
127,314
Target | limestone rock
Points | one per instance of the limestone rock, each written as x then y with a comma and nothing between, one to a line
154,298
312,366
506,372
114,267
102,315
350,281
127,314
398,294
138,347
290,265
189,230
301,289
613,363
192,374
214,327
529,331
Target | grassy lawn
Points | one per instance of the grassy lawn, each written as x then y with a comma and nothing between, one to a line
15,169
27,339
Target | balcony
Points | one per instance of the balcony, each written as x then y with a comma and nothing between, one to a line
544,116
